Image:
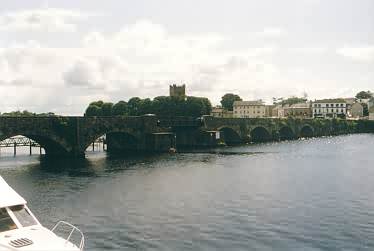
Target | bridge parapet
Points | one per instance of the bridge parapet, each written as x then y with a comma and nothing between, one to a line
166,122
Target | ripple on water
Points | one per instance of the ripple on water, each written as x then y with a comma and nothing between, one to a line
314,194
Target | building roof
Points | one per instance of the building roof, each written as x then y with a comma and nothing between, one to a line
334,100
248,103
9,197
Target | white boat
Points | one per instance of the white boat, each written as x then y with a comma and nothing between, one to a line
20,230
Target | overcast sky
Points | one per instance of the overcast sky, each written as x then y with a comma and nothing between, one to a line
60,55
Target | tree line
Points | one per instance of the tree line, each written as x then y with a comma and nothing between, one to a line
26,113
160,106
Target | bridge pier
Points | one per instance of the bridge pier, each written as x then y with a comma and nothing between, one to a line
151,142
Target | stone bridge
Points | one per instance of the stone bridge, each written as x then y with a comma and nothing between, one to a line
70,136
239,130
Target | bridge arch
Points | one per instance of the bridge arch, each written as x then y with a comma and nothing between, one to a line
286,133
230,136
260,134
51,145
307,131
116,140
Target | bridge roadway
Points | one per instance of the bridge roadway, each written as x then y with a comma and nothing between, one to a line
70,136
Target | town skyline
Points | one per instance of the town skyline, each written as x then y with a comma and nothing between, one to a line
93,50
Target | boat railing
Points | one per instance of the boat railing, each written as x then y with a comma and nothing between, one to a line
71,231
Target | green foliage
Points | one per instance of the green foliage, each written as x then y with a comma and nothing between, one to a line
99,108
106,109
120,108
289,101
97,103
364,95
161,106
133,106
93,110
26,113
145,106
228,99
197,107
365,109
365,126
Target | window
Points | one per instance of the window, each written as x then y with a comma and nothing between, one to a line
327,105
6,223
341,105
23,216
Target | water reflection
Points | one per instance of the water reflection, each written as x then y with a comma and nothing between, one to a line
314,194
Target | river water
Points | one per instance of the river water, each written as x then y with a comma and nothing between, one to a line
315,194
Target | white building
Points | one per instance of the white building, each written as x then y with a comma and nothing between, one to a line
219,112
355,111
371,113
278,111
329,108
249,109
371,103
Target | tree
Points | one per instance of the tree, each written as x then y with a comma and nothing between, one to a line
161,106
364,95
365,109
107,109
277,101
228,100
97,103
120,108
93,110
207,106
289,101
194,107
145,106
133,106
23,113
294,100
26,113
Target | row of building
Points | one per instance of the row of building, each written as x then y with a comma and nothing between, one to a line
325,108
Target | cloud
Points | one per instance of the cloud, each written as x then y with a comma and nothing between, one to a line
83,74
310,50
142,59
360,54
42,20
271,32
